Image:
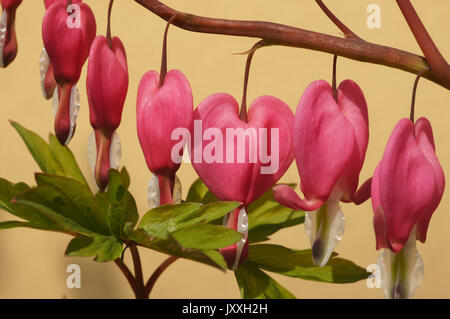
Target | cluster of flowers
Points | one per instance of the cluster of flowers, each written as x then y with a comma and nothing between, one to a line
328,137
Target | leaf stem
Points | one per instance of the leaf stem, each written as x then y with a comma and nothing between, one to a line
139,278
157,273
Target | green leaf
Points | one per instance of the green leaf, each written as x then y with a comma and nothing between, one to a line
122,206
13,224
197,191
255,284
266,216
125,177
36,220
105,248
67,161
299,264
40,150
160,221
207,236
73,200
172,247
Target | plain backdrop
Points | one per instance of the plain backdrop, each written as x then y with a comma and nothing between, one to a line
32,263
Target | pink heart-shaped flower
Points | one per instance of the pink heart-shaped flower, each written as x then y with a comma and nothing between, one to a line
242,167
407,186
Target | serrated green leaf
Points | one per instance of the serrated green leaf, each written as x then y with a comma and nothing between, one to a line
72,200
160,221
63,223
172,247
207,236
197,191
40,150
125,177
266,216
64,156
104,248
122,206
36,220
299,264
255,284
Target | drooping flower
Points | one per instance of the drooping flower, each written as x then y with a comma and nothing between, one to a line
67,40
107,86
48,82
160,111
330,140
407,188
8,40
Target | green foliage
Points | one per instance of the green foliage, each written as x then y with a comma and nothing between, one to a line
102,223
299,264
256,284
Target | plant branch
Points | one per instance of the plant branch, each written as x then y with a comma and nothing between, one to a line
279,34
139,278
127,273
157,273
435,59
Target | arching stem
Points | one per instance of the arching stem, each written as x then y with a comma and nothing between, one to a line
251,52
108,28
413,100
333,81
163,72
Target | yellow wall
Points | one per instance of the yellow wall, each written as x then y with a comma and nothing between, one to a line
32,262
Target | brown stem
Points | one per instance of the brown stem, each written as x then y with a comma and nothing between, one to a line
413,100
128,275
139,278
347,32
243,112
435,59
333,81
279,34
163,72
108,28
157,273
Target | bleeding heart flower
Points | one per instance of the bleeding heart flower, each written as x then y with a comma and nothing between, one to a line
330,141
242,171
160,111
407,187
107,86
48,82
67,40
8,40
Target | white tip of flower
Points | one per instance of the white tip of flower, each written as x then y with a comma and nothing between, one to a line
401,273
44,63
325,229
3,24
242,227
153,193
115,152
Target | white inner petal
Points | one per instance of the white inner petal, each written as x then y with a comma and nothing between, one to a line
153,193
325,228
242,227
402,272
44,63
3,24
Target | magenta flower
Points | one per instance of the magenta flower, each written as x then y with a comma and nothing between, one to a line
48,81
107,86
67,44
8,40
330,141
160,111
407,187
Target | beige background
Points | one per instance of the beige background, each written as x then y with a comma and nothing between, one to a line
32,264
